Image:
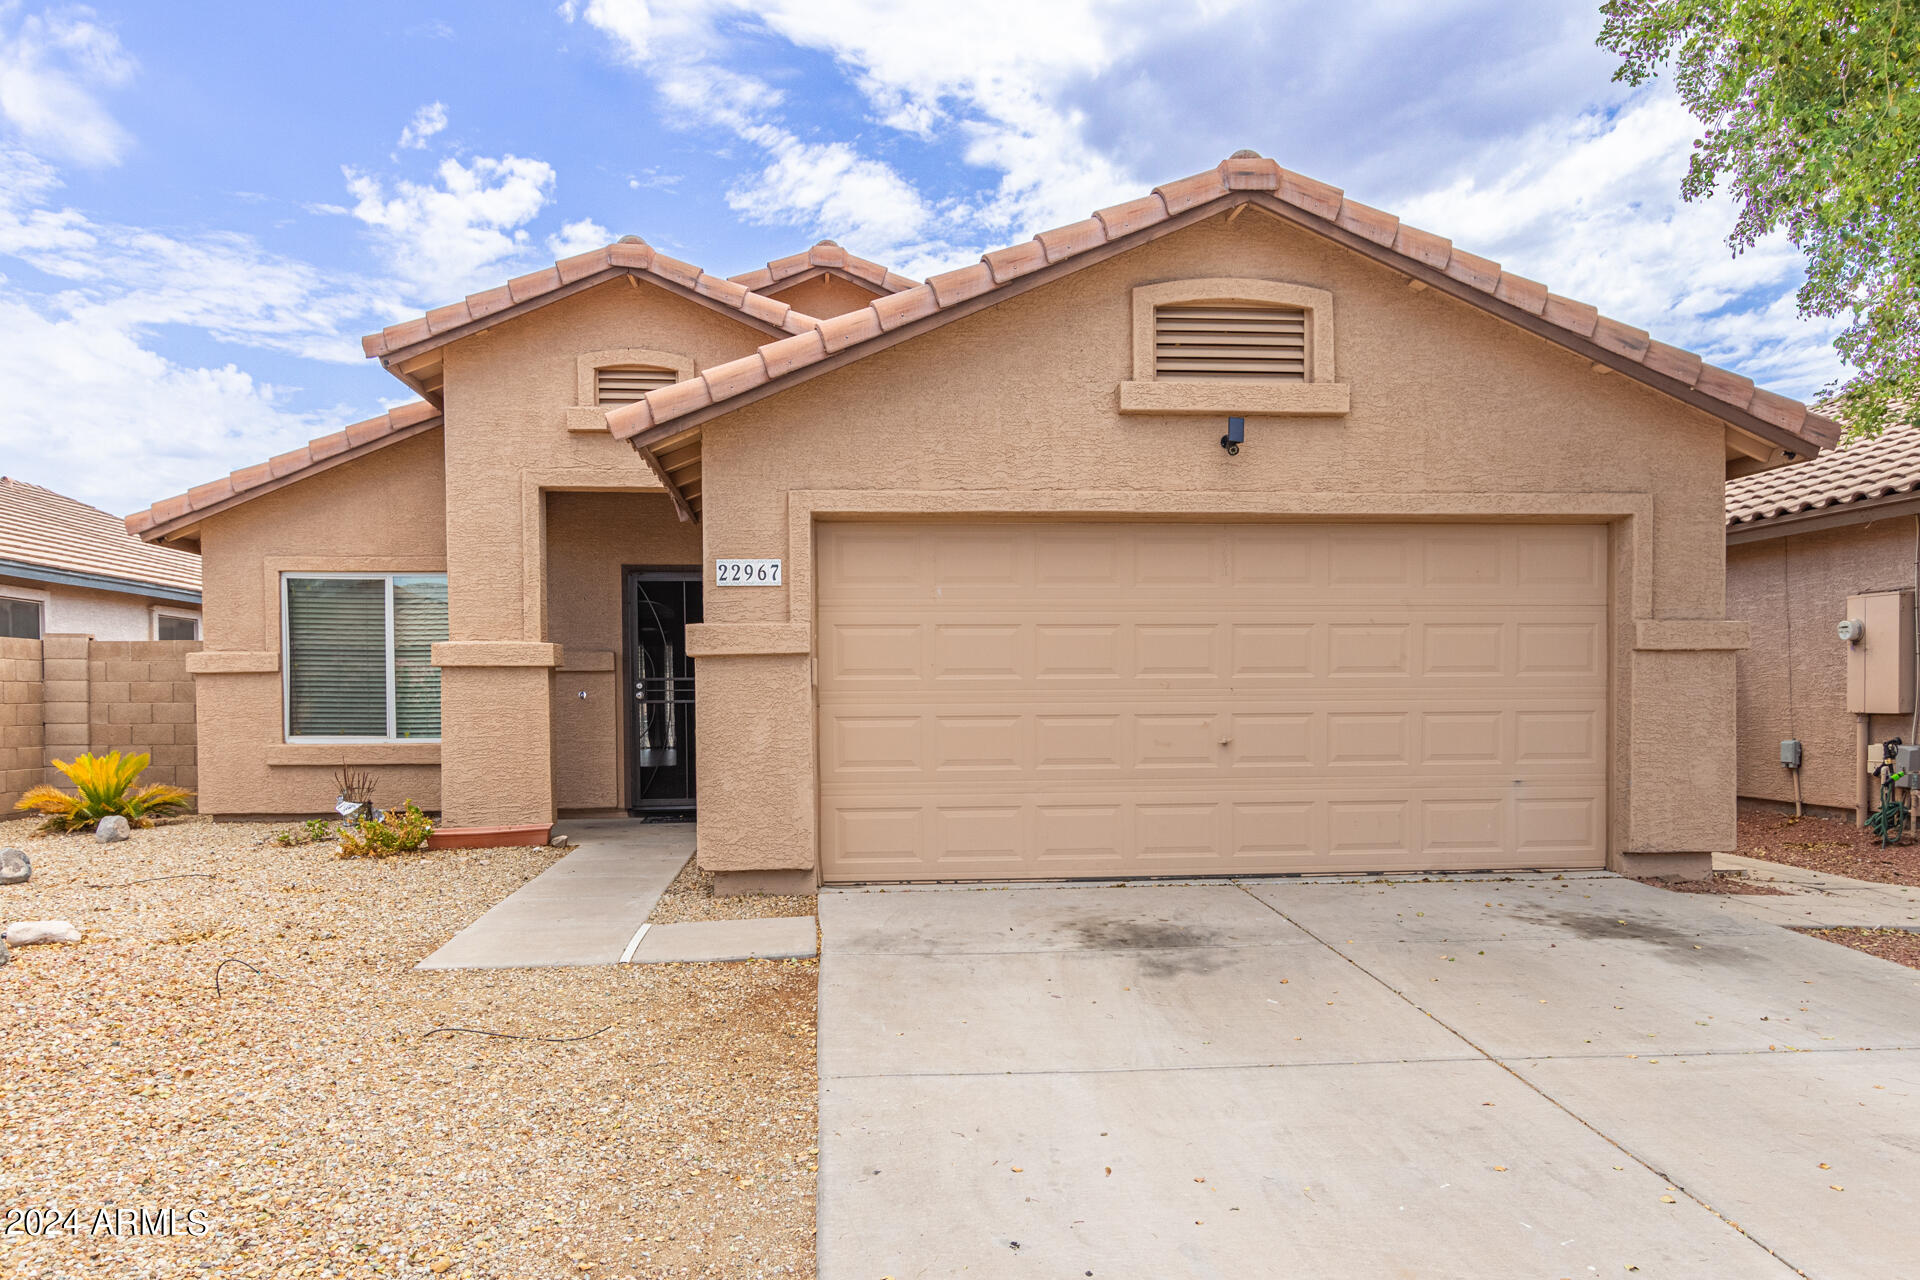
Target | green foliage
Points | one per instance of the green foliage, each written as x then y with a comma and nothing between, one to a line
312,831
1812,115
401,830
104,787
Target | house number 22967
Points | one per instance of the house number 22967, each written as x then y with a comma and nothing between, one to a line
746,573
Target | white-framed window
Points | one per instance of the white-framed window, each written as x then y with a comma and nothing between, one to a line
357,653
22,619
172,624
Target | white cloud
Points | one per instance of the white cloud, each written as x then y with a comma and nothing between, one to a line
426,122
52,66
93,413
830,185
1590,207
464,232
578,237
91,408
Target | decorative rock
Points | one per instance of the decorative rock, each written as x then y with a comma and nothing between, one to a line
5,958
112,828
24,933
15,868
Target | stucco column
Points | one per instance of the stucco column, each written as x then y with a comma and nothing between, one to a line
1681,802
496,731
756,765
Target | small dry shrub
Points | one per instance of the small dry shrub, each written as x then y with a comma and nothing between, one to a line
401,830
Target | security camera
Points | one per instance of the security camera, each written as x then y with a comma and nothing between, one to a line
1851,629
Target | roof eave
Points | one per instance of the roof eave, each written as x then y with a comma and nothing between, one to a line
402,355
1835,515
183,529
1795,445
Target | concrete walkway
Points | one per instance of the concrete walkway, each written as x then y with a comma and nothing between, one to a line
585,908
1819,899
1525,1077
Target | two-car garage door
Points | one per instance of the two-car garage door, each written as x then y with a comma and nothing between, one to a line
1048,700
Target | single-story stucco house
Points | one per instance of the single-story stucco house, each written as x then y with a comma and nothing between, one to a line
1810,546
67,568
1237,528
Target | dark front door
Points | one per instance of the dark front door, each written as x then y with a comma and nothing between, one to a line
660,604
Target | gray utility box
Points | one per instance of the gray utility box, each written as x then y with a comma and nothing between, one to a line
1907,760
1790,752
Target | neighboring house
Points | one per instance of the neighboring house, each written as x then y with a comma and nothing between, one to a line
959,580
1802,542
70,569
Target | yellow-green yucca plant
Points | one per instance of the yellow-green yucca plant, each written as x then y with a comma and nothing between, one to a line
105,787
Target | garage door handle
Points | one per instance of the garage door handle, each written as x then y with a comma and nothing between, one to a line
1225,741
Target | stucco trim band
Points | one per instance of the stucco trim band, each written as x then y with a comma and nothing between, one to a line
1690,634
747,639
281,754
495,653
1279,399
225,662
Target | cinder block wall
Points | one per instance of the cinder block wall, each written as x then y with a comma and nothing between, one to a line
66,694
23,743
140,698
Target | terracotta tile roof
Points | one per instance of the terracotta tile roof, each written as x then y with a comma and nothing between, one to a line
1243,172
629,253
1858,471
832,257
316,455
49,530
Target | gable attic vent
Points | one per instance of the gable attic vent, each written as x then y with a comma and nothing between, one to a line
1230,340
624,384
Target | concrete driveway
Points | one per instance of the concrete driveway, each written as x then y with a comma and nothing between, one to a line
1528,1077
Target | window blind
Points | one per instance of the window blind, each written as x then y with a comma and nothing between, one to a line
337,657
419,620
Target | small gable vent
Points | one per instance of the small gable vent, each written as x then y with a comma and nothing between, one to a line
627,383
1225,340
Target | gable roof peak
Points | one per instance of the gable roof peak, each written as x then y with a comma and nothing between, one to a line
1243,177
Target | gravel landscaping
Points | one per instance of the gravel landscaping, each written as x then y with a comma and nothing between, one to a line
1825,844
691,897
1896,945
324,1127
1719,882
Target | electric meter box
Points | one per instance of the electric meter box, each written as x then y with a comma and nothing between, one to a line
1880,663
1906,759
1790,752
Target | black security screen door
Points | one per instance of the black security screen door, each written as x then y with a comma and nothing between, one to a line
660,604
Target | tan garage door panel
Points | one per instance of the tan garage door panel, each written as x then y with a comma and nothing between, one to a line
1022,701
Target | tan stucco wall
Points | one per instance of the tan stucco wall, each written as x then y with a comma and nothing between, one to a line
824,296
507,446
1793,681
1015,409
382,513
591,539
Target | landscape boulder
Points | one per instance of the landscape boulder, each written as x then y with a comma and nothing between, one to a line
112,828
15,868
24,933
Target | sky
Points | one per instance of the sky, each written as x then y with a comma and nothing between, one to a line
203,206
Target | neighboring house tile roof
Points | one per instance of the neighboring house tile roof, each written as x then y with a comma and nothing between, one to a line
628,254
1857,472
826,255
249,482
1423,255
47,530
